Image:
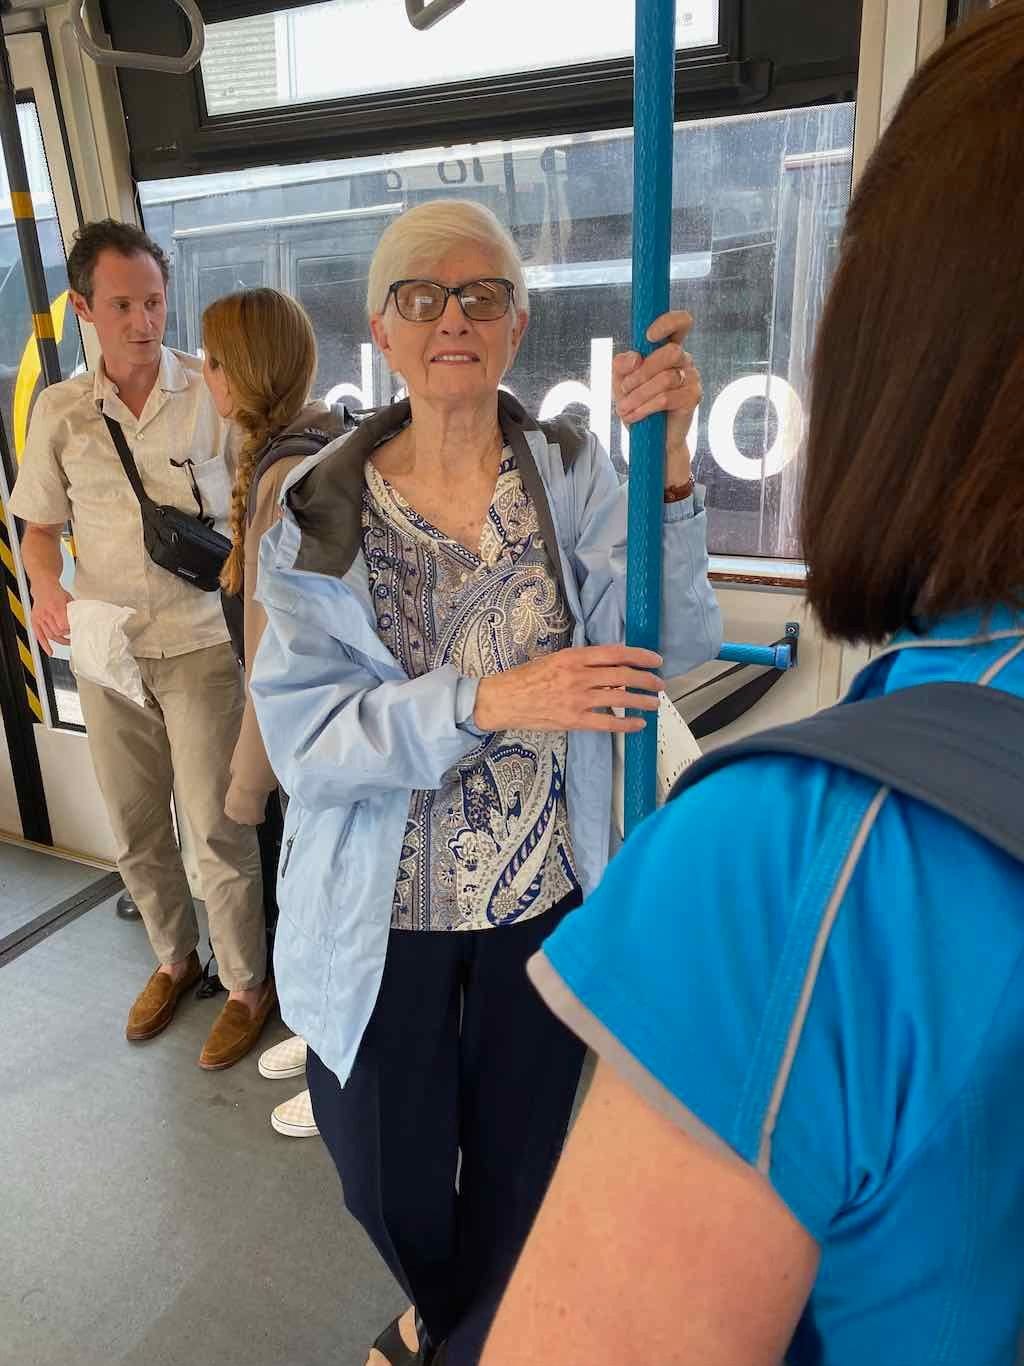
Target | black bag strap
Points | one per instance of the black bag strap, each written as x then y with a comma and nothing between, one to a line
127,459
188,465
957,747
736,703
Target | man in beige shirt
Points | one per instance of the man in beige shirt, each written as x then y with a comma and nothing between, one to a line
188,728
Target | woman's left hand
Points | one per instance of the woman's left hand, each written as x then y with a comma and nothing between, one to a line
667,381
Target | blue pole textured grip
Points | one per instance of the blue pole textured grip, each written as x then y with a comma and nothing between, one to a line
654,108
763,656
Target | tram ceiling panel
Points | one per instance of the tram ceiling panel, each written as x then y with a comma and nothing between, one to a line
771,54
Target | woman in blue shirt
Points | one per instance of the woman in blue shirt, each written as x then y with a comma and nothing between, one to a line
805,1138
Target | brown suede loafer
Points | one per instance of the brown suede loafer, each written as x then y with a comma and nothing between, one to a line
236,1029
154,1007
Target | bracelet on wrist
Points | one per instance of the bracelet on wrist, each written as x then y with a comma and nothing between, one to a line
675,493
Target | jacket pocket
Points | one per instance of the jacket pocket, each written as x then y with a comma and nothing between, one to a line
315,849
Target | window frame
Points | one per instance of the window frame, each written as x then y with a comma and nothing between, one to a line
733,77
221,11
172,133
959,11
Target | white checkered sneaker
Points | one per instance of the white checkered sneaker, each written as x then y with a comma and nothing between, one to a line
294,1117
285,1059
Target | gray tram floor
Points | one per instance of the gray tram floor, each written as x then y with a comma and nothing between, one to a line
31,882
149,1214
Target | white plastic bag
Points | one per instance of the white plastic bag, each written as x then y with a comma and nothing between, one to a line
677,750
100,652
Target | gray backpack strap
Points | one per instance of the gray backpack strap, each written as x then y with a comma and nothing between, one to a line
300,444
957,747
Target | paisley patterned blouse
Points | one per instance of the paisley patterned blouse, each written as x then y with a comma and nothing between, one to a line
491,846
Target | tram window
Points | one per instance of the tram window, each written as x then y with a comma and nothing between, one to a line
353,47
291,81
19,361
759,203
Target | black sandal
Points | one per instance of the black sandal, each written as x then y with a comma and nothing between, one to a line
392,1348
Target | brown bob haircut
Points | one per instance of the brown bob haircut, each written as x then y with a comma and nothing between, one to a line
913,503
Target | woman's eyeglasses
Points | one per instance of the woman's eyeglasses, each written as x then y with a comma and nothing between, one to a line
423,301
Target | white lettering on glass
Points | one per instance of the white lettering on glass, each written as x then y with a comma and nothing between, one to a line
722,426
361,395
596,397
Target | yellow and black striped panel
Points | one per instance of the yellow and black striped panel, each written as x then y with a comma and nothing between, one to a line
21,625
21,204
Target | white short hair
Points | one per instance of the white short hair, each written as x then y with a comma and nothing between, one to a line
419,238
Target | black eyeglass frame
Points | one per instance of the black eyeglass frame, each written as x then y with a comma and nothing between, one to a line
449,290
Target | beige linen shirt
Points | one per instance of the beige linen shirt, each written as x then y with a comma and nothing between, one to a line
70,471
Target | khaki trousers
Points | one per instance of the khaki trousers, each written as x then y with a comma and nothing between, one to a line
186,734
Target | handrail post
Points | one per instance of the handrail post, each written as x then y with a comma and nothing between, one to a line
653,120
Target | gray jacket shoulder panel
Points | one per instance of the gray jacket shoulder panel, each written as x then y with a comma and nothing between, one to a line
566,431
326,502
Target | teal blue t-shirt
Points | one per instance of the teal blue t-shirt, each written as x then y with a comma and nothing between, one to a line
852,1023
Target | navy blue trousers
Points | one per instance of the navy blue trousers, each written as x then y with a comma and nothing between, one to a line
449,1128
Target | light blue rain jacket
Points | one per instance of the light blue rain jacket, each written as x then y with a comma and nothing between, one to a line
351,736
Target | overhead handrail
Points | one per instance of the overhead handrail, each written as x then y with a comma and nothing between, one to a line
144,61
426,13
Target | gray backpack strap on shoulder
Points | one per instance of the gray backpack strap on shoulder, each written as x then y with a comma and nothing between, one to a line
301,444
957,747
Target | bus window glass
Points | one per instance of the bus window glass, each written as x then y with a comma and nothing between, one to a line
18,362
347,48
19,359
759,202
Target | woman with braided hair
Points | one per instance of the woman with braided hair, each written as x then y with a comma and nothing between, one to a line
260,361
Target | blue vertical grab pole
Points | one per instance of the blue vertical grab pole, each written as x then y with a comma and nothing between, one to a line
654,109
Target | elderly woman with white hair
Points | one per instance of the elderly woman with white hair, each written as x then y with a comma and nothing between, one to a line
444,648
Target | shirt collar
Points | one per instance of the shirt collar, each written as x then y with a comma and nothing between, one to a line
172,378
964,628
952,649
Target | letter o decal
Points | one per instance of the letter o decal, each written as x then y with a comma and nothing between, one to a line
722,426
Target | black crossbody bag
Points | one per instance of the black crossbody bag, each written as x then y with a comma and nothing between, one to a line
180,542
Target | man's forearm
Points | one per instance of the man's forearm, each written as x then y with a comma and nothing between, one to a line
40,554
